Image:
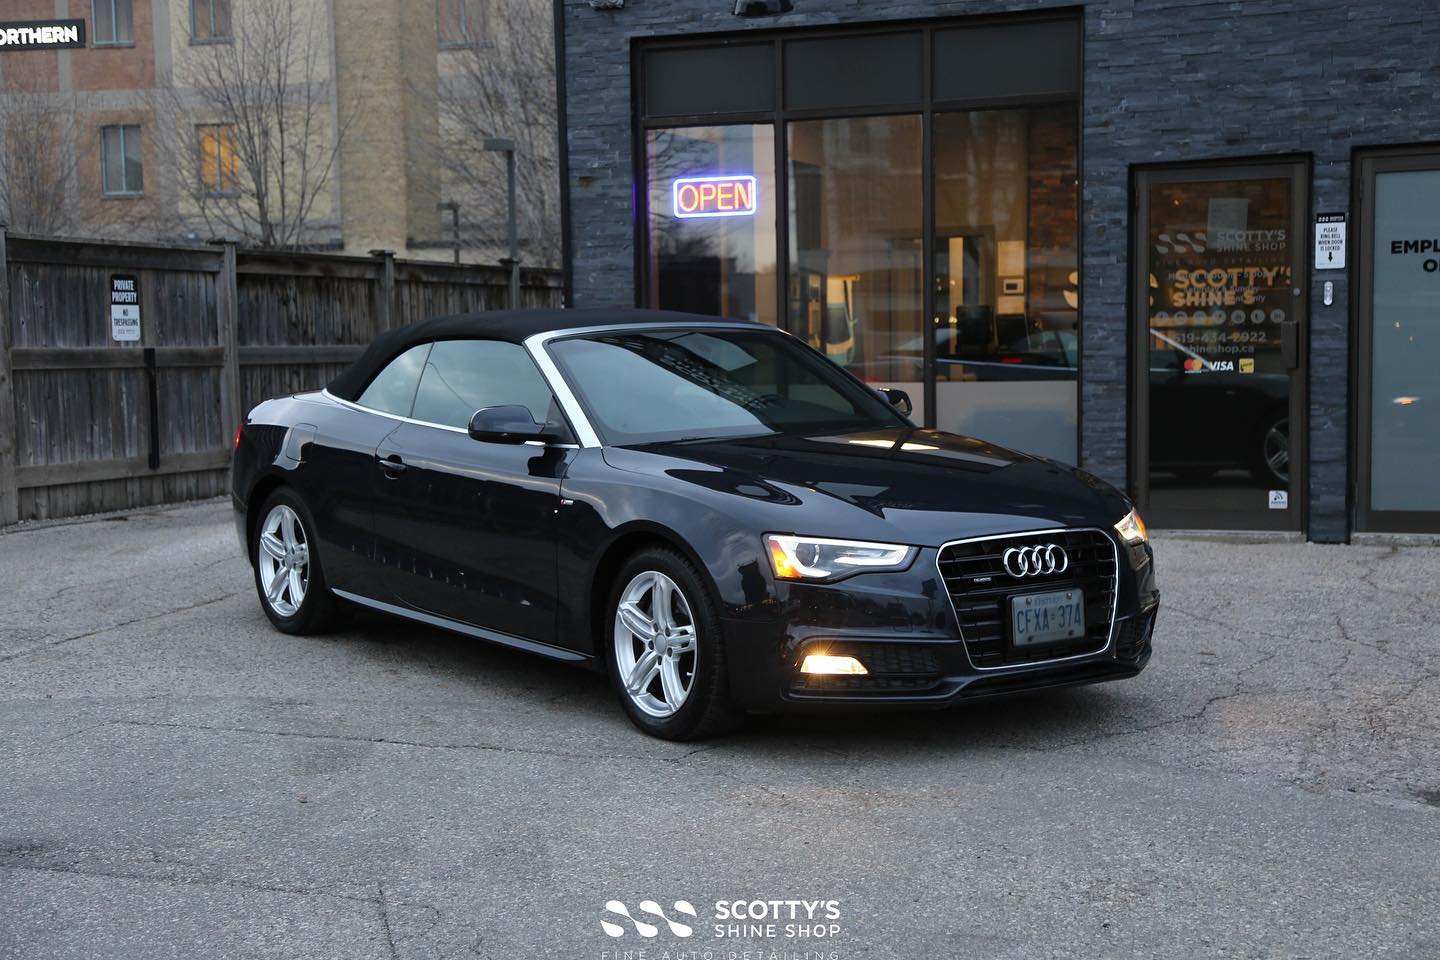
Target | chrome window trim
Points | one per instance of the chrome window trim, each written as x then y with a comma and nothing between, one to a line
538,344
426,423
1020,667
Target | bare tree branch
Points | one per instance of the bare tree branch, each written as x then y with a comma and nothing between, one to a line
502,84
271,88
37,162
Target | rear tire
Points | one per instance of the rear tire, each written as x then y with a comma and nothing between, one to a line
665,649
289,578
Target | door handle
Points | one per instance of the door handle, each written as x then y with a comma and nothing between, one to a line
1290,344
393,466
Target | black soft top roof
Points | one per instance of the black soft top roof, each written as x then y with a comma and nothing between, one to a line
511,325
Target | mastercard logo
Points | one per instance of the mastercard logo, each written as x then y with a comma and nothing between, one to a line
1193,364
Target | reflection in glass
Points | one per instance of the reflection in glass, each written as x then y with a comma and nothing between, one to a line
1405,332
653,387
1219,315
855,246
722,262
1006,283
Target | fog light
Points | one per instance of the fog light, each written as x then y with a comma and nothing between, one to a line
824,663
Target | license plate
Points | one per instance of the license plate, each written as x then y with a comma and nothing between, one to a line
1047,617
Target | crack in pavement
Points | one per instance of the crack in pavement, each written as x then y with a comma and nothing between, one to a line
51,644
10,863
1193,717
9,860
389,741
385,921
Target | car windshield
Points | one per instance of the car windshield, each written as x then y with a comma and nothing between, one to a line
658,385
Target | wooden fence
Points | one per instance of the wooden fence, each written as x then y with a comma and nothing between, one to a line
89,424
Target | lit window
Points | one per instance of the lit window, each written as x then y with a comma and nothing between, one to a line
218,163
113,22
210,20
122,170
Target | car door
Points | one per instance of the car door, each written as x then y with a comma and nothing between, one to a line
466,529
340,479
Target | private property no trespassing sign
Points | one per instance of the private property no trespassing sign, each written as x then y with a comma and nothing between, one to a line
42,35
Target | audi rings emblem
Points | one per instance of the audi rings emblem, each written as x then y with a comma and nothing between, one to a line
1039,560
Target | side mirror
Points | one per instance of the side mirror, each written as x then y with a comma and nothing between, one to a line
898,399
511,423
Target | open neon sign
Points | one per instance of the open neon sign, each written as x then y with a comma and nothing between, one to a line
697,197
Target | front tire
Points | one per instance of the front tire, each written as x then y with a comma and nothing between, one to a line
288,576
667,655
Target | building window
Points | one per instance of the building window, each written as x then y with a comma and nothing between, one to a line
113,22
712,220
856,274
122,170
210,21
920,236
457,22
218,163
1007,297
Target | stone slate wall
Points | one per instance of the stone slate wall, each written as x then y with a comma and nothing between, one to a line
1165,80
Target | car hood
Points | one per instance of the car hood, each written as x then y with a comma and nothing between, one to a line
926,486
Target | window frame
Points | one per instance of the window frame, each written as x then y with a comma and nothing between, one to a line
124,191
227,37
114,40
469,37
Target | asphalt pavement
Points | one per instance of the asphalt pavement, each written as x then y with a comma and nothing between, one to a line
179,780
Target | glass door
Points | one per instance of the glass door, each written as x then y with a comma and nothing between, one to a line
1219,352
1398,341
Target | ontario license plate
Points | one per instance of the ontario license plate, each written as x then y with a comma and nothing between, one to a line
1047,617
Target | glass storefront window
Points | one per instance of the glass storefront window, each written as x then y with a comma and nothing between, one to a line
1405,343
712,221
1006,322
1222,339
856,271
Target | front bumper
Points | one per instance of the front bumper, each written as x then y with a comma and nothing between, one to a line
904,628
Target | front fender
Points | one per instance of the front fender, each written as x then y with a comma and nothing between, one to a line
605,512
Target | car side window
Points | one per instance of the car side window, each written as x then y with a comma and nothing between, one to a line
461,376
393,389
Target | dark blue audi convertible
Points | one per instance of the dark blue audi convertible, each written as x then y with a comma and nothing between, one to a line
709,511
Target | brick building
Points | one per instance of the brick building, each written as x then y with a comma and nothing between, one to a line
161,123
1188,245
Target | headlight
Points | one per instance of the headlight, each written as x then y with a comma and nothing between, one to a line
1132,529
811,558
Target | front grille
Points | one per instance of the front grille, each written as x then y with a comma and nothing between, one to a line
894,667
980,590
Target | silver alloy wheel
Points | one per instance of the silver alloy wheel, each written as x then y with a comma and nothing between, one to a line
1277,449
283,558
655,644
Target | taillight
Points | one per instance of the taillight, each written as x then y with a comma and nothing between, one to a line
238,430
